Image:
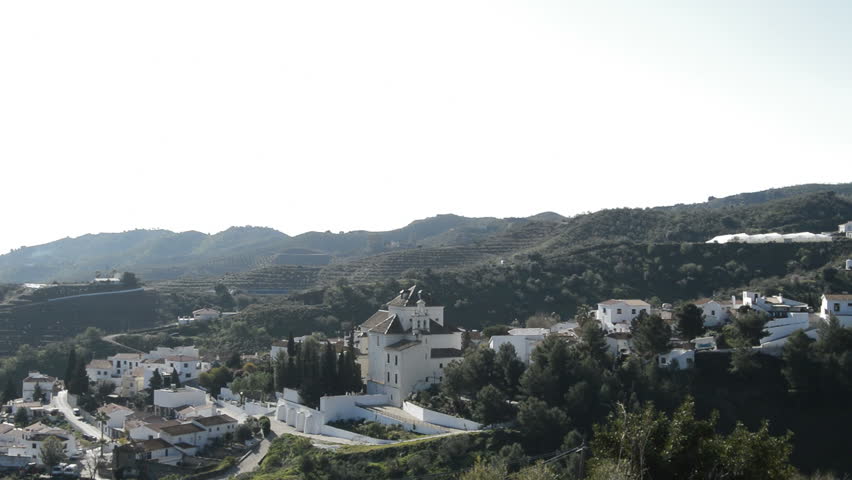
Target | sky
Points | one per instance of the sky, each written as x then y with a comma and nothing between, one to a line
321,115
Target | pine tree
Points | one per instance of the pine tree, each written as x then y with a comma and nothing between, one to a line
651,335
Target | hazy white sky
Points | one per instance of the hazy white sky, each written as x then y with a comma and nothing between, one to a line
349,115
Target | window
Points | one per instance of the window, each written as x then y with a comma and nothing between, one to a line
633,311
378,340
440,379
427,379
643,311
395,378
396,359
172,364
712,312
836,307
388,358
440,365
618,311
388,377
34,445
185,365
187,374
118,371
604,309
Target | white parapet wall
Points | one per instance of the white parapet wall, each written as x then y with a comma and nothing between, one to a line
437,418
340,433
345,407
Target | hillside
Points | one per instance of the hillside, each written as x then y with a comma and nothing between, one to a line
259,258
159,255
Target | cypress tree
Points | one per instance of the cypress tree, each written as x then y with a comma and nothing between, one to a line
69,368
10,392
291,345
292,379
156,381
343,377
175,378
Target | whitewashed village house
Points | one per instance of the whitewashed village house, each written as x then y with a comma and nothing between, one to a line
36,381
408,346
524,340
615,315
839,305
716,312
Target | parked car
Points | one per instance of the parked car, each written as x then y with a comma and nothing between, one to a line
89,437
76,412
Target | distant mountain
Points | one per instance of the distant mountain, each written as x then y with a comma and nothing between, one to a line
157,255
443,241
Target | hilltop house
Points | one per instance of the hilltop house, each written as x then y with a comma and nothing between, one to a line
409,346
838,305
845,228
38,381
612,313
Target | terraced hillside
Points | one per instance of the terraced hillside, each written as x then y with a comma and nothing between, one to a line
276,279
25,321
494,249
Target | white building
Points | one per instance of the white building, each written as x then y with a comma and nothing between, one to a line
216,426
613,312
680,358
27,442
776,307
715,312
204,314
799,237
45,383
523,339
409,346
186,436
167,401
838,305
158,450
116,415
99,369
190,412
845,228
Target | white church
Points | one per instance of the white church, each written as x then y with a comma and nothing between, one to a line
408,346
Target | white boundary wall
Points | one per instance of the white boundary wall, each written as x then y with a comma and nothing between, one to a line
441,419
344,407
262,409
340,433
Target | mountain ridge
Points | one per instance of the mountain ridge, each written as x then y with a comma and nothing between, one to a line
163,255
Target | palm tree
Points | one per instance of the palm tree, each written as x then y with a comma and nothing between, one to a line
102,418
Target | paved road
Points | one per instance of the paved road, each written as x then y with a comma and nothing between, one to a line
60,402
